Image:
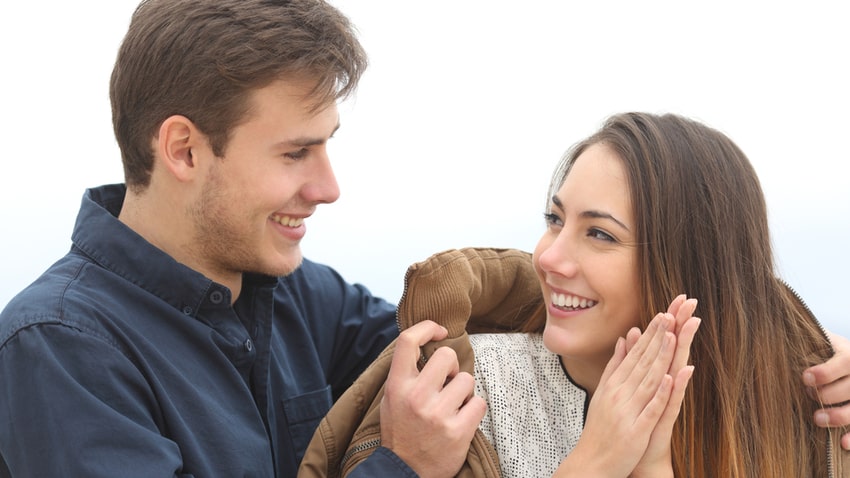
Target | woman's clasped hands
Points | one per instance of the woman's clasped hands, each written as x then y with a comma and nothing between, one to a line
631,414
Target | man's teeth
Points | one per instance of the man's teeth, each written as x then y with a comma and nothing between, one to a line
288,221
571,301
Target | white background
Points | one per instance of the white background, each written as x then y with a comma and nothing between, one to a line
463,113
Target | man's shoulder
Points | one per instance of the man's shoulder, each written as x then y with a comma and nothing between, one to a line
47,299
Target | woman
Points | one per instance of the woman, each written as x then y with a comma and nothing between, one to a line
648,207
644,210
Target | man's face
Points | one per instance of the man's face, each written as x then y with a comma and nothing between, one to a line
249,216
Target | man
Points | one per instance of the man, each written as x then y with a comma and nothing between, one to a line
183,334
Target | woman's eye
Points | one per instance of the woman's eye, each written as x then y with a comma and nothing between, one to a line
598,234
552,219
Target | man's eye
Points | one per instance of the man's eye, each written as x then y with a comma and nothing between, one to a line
300,154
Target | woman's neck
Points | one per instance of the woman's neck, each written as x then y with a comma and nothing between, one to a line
584,372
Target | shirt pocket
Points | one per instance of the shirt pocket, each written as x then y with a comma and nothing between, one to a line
303,413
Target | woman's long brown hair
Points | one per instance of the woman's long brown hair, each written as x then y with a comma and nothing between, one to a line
702,229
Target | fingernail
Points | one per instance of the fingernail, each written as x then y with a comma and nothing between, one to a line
809,379
822,418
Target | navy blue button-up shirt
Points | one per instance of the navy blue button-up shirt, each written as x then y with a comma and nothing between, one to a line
119,361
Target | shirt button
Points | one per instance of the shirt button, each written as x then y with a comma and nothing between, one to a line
216,297
249,346
187,310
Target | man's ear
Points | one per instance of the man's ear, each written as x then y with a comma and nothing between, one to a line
178,143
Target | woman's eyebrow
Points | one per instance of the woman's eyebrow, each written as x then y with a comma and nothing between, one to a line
591,214
603,215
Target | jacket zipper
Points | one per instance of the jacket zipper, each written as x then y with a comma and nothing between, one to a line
422,358
360,447
829,452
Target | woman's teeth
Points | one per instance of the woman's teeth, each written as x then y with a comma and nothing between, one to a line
571,301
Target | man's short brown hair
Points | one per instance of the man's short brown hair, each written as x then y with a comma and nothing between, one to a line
203,58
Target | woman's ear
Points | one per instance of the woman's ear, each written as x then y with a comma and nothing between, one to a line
176,144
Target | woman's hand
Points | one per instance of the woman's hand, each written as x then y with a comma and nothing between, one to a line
634,395
657,461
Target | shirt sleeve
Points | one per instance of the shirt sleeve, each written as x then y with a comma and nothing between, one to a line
382,463
74,405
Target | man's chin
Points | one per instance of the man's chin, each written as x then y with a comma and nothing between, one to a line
287,264
283,265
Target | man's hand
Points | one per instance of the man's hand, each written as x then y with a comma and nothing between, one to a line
830,383
428,417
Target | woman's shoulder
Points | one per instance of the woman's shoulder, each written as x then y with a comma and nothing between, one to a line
530,343
518,357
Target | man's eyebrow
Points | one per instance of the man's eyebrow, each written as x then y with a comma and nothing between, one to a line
306,141
591,214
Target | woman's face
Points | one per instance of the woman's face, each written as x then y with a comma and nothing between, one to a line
586,262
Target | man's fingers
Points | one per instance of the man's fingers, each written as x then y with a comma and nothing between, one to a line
458,395
833,393
407,350
833,369
835,417
441,367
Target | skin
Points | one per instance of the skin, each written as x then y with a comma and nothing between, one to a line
830,384
636,393
221,216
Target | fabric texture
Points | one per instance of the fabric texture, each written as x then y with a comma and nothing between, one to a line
119,361
535,413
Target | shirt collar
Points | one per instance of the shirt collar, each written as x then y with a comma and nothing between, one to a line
110,243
